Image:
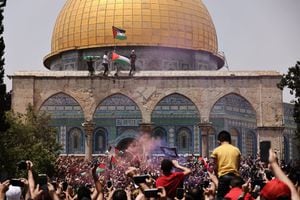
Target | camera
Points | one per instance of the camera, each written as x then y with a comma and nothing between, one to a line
22,165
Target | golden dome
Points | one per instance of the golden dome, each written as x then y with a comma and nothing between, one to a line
84,24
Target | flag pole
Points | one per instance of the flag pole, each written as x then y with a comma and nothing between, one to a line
115,46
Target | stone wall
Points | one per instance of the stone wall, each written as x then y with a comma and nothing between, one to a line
147,88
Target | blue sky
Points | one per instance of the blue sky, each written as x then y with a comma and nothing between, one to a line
255,35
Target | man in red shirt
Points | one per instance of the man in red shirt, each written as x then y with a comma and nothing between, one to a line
171,180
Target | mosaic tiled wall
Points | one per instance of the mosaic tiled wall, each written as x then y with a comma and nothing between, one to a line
236,115
67,116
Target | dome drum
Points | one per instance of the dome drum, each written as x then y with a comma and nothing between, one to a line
148,58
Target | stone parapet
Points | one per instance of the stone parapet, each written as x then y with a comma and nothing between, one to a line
169,74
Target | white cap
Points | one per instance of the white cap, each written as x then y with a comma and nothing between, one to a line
13,193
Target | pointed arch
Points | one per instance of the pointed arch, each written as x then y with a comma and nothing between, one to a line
235,112
116,113
234,104
61,105
175,105
66,113
117,105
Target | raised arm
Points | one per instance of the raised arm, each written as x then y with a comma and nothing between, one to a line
31,182
186,171
3,188
281,175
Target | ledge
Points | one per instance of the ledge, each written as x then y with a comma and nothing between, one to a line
139,74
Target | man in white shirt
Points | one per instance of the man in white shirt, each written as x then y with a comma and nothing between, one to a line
105,63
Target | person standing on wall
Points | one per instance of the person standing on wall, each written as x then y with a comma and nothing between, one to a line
132,61
105,63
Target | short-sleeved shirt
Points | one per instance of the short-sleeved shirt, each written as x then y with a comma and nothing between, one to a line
228,158
105,59
170,182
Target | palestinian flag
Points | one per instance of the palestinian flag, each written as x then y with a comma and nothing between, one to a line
119,33
113,162
101,168
120,59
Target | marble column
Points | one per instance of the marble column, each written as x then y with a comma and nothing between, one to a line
89,129
205,127
146,128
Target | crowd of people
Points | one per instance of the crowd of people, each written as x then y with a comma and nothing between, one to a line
226,175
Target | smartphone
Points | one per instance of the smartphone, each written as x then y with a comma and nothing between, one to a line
180,193
64,186
153,192
16,182
140,179
109,183
42,181
258,183
264,148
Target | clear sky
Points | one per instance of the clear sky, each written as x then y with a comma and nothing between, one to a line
254,34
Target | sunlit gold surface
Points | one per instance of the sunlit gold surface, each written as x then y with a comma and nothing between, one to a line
169,23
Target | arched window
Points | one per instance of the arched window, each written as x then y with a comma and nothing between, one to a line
250,144
75,141
184,140
100,141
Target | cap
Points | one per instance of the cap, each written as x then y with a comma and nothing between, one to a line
275,189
